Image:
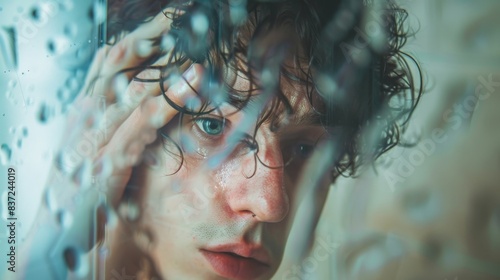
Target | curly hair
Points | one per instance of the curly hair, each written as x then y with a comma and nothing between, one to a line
361,80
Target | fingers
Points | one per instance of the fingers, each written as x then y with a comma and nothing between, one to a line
154,112
138,92
135,93
136,47
139,129
122,115
123,60
93,71
116,94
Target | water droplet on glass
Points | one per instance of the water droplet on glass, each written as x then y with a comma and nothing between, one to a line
199,23
190,145
432,249
143,239
30,101
64,95
167,42
44,113
326,85
49,199
375,255
66,161
268,79
120,84
361,57
193,104
84,52
99,12
35,14
64,218
77,199
129,210
238,14
344,20
8,48
12,84
5,154
202,152
421,206
109,215
67,5
150,159
47,156
71,257
71,29
76,261
9,95
91,14
83,176
51,46
19,143
58,45
30,87
79,74
144,48
176,186
72,83
103,252
12,130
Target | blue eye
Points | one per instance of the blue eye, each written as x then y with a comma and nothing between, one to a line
211,126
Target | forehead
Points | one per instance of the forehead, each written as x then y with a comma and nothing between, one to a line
288,93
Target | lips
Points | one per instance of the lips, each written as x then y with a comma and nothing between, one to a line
237,261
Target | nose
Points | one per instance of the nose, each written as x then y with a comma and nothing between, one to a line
262,195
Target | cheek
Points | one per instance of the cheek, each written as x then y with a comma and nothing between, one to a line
232,181
168,197
231,173
190,194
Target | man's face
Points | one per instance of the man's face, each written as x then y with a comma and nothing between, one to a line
227,211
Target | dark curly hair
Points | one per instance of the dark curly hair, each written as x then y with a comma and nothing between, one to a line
362,80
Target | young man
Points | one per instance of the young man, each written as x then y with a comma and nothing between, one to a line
219,115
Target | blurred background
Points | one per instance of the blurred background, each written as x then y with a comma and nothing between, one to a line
427,212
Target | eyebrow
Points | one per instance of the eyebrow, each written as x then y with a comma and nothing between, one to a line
309,118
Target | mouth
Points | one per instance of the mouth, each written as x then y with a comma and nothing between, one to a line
237,261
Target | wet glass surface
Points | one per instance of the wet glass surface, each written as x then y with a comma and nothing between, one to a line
154,143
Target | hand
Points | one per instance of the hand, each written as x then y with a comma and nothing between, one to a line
133,110
109,126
